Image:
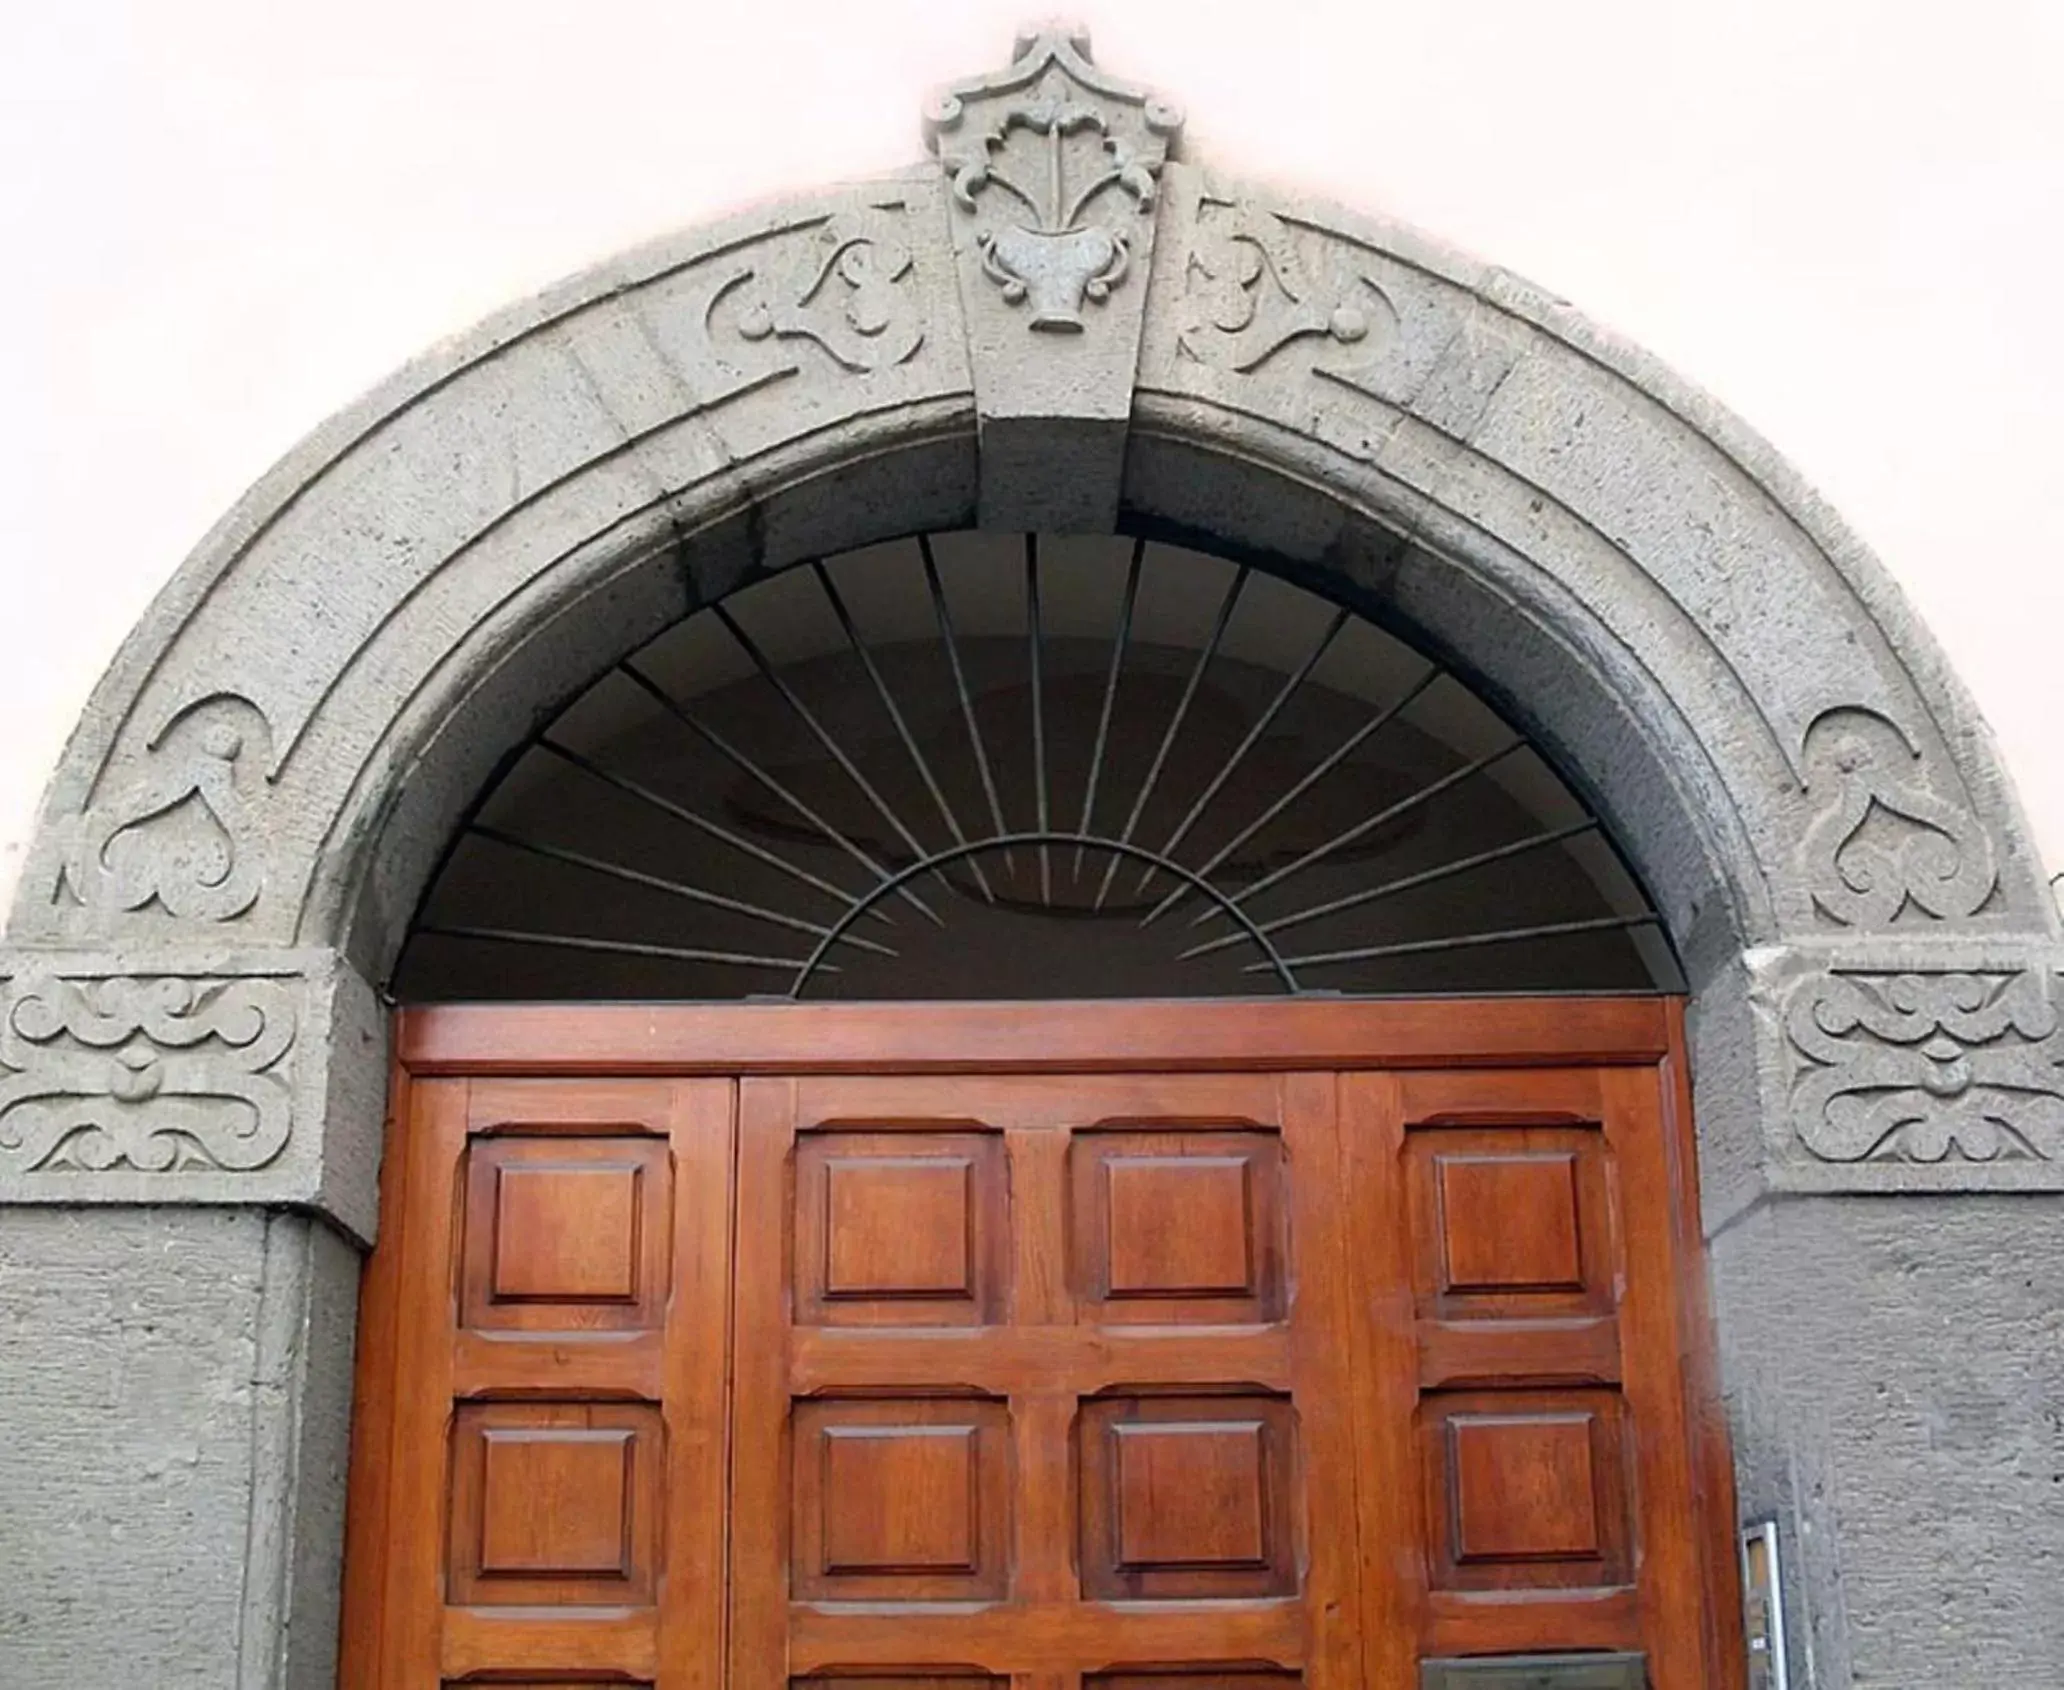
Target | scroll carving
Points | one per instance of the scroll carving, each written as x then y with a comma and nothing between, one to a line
1055,161
1248,293
161,1074
182,834
848,291
1883,841
1927,1067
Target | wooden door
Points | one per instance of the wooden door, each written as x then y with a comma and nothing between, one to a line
1046,1378
1159,1361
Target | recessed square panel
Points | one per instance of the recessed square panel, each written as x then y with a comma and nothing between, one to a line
1186,1496
1509,1223
899,1228
554,1504
1524,1487
900,1500
899,1681
556,1501
1177,1225
1254,1678
1191,1494
565,1234
1181,1226
1527,1489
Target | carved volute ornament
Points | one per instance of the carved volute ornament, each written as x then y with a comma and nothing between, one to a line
1056,163
1051,324
1884,845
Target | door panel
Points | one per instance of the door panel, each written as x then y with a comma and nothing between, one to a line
1523,1364
1033,1394
551,1434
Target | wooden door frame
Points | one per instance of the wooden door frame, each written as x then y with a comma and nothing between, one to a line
1084,1037
1174,1036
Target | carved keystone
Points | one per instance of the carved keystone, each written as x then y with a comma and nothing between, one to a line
1053,170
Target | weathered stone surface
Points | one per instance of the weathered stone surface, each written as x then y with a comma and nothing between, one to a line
1894,1369
171,1478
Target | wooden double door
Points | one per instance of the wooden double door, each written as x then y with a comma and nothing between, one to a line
1194,1347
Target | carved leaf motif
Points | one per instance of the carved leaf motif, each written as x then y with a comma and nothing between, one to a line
1883,839
1051,159
849,292
1922,1067
158,1073
182,834
1248,293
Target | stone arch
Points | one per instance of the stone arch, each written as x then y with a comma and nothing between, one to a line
230,849
284,743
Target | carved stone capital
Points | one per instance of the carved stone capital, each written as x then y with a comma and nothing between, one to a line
195,1078
1911,1065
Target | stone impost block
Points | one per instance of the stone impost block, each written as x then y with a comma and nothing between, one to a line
1911,1064
192,1077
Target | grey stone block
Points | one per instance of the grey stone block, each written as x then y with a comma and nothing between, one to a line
171,1480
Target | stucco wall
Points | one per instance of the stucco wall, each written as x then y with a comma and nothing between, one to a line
224,220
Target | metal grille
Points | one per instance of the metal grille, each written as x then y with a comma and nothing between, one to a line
974,765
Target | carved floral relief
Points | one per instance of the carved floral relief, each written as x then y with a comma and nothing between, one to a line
1927,1067
1883,841
155,1073
847,289
1056,163
1248,292
182,833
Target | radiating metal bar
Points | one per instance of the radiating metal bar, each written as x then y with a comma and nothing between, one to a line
967,701
888,698
680,812
1038,661
619,947
1465,941
775,679
1175,722
659,883
1004,841
724,748
1425,877
1347,748
1247,744
1390,812
1103,733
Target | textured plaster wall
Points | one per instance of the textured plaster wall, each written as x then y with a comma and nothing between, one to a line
225,219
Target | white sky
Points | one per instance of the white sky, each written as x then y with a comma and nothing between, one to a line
223,219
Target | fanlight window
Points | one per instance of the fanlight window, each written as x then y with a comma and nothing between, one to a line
985,766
